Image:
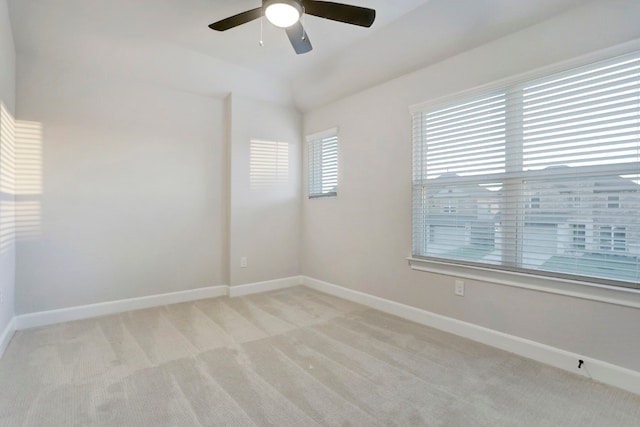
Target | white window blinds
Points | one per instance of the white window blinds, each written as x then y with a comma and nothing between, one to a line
540,177
323,164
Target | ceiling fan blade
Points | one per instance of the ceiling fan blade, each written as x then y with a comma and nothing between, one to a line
346,13
299,38
235,20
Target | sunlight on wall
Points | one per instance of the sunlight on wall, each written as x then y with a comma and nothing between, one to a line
268,165
7,180
7,153
28,179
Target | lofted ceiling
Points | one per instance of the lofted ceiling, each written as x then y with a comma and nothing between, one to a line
407,34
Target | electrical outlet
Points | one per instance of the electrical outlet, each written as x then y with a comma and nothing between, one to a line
459,290
243,262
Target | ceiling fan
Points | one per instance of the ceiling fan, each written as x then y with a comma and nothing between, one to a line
287,13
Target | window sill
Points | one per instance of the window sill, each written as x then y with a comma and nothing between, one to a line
331,195
626,297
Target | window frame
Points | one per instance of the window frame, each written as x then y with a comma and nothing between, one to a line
553,282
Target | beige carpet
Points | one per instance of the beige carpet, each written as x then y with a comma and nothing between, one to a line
288,358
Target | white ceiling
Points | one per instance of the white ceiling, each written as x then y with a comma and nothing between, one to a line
407,34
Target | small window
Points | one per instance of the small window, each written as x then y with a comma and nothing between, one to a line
613,239
449,207
323,164
576,201
579,234
535,203
613,202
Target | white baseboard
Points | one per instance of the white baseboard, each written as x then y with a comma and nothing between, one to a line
598,370
6,336
269,285
45,318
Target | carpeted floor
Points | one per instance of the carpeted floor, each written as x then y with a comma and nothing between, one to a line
287,358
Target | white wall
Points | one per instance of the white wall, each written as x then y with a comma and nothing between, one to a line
124,186
361,239
7,96
264,222
126,197
7,59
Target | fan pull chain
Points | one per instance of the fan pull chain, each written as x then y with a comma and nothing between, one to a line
261,42
304,31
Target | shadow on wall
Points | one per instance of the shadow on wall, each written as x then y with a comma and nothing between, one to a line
20,179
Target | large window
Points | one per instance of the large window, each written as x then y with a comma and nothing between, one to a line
541,177
323,164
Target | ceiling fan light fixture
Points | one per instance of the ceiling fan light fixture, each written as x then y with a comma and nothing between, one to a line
283,13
